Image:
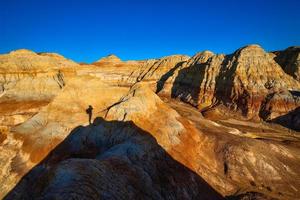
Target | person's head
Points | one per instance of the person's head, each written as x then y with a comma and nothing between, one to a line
90,106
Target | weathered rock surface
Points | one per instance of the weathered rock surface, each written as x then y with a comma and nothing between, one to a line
26,60
110,59
143,144
25,75
195,83
283,102
242,81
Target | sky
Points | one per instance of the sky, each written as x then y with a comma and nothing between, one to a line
86,30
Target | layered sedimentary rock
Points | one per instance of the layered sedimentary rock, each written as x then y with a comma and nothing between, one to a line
242,81
196,82
142,143
248,77
110,59
127,73
25,60
25,75
28,82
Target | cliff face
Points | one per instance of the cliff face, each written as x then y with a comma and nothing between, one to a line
142,142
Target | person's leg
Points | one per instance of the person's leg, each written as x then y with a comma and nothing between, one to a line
90,118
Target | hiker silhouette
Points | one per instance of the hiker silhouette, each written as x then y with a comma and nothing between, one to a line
89,111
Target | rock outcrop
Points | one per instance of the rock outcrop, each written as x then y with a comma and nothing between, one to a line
28,61
110,59
26,76
248,76
241,81
196,82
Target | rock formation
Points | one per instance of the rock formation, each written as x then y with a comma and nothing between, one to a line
26,76
234,138
240,81
110,59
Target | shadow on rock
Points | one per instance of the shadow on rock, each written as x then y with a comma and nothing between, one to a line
295,93
290,120
187,84
111,160
161,82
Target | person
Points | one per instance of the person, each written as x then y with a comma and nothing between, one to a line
89,111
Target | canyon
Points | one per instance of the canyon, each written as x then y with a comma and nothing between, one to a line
210,126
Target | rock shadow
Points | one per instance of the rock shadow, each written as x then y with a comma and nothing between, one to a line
161,82
290,120
287,59
225,84
111,160
187,84
295,93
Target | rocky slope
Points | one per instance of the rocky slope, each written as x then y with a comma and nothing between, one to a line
143,142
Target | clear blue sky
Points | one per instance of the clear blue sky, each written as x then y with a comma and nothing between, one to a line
85,30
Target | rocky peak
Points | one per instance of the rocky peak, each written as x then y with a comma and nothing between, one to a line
255,68
248,76
251,47
205,53
22,52
55,55
172,60
200,57
250,52
29,61
110,58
